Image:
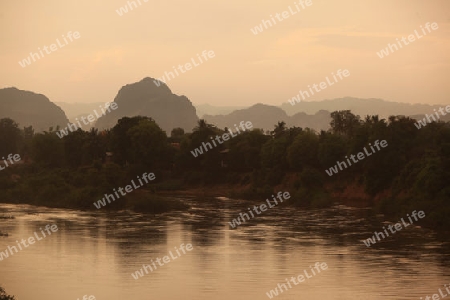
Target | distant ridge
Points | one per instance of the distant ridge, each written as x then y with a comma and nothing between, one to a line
207,109
31,109
316,115
266,116
360,107
170,110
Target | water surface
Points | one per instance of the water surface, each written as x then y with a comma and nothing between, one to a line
94,253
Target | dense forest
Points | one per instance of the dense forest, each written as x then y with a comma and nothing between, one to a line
411,173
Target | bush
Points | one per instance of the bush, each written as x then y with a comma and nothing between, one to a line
170,185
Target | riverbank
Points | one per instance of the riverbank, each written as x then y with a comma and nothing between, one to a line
80,188
347,193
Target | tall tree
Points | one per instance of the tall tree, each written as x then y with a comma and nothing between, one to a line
303,151
10,137
48,149
148,144
279,129
343,122
120,140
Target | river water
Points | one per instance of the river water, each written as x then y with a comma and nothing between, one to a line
95,253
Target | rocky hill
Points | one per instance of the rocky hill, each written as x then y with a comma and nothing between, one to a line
28,108
144,98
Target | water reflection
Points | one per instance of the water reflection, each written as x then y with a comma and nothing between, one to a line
95,254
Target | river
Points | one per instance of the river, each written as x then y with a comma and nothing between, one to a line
95,253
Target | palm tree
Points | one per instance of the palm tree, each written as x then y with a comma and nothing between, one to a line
203,131
280,128
201,125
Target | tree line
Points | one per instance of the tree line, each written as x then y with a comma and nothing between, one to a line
412,172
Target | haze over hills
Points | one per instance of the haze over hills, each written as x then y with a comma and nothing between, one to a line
266,116
316,115
144,98
170,110
360,107
74,110
31,109
207,109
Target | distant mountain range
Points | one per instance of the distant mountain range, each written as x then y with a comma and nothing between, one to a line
31,109
144,98
267,116
360,107
316,115
207,109
169,110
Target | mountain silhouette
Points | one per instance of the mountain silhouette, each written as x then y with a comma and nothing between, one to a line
145,98
361,107
265,116
31,109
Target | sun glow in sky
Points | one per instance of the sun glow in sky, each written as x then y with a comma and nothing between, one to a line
269,67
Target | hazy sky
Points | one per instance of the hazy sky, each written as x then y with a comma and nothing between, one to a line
270,67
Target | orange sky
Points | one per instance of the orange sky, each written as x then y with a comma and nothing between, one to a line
270,67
